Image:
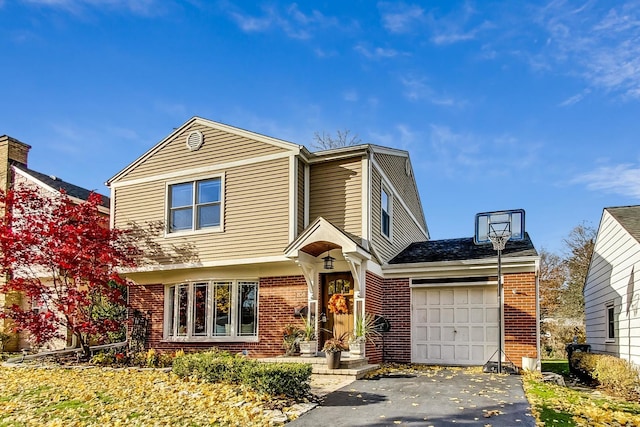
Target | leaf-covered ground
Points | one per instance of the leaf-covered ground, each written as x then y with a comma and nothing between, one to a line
564,406
95,396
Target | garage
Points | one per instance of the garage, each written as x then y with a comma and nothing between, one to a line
454,325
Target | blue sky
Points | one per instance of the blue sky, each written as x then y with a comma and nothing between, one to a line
502,105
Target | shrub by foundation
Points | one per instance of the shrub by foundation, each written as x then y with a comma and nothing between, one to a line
288,379
615,375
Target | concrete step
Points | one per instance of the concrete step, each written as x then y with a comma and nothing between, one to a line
351,367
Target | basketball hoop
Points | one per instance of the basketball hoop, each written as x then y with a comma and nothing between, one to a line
499,236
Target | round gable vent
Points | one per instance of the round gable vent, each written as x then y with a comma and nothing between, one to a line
194,140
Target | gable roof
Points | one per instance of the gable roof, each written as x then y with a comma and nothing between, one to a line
459,250
628,217
210,123
54,183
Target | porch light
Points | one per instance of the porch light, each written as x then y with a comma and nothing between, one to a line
328,260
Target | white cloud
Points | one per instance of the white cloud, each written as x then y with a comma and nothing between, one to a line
600,44
400,17
622,179
466,155
140,7
351,95
377,52
575,98
292,21
458,26
416,88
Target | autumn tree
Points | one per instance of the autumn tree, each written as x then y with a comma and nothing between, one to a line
552,277
326,141
63,256
579,246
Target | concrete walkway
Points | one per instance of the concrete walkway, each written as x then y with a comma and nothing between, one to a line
425,397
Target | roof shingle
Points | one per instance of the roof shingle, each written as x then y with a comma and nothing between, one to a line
629,218
460,249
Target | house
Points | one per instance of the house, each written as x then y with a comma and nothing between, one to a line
612,286
243,231
14,172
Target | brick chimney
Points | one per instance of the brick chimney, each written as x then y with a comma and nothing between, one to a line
12,152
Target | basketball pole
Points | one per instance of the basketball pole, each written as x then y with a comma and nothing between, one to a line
499,310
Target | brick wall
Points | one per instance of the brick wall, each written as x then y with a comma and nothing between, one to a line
374,304
520,316
397,309
277,298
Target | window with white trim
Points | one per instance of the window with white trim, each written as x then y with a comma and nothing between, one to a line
216,310
611,322
385,212
195,205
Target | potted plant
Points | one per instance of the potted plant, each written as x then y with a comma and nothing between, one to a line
309,343
364,330
333,348
290,339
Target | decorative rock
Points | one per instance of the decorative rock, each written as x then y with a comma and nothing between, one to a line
551,377
276,416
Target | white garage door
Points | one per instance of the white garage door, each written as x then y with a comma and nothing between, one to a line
454,326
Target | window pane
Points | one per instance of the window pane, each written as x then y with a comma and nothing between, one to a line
183,295
181,195
200,310
611,321
208,216
385,223
172,301
209,191
181,219
385,201
247,307
221,303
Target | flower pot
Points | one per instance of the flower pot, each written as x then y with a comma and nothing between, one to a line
308,348
529,364
357,348
333,359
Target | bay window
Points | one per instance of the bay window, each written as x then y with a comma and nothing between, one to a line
211,310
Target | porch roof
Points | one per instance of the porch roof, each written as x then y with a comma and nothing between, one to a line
321,235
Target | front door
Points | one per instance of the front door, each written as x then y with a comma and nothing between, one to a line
339,286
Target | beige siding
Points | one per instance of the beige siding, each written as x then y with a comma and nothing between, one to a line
255,216
335,193
301,196
394,167
218,148
403,229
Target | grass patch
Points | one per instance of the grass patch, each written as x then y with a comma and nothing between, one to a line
559,366
37,397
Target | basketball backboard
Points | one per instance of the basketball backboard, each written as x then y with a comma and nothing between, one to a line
501,223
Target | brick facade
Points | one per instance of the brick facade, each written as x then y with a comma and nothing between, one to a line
277,299
520,317
391,298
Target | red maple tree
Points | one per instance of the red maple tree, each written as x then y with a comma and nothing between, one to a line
62,255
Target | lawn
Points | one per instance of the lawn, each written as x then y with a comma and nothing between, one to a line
96,396
565,406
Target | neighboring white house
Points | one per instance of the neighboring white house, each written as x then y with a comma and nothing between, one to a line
611,290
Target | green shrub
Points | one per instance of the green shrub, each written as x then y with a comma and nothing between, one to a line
615,375
288,379
104,358
211,366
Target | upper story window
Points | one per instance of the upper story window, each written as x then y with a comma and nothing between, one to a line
195,205
385,214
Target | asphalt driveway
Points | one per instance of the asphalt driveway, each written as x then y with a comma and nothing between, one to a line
425,397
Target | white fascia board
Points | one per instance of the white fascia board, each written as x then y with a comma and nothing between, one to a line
389,151
297,149
208,264
474,267
338,154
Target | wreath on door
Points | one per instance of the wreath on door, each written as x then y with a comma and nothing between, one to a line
338,304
